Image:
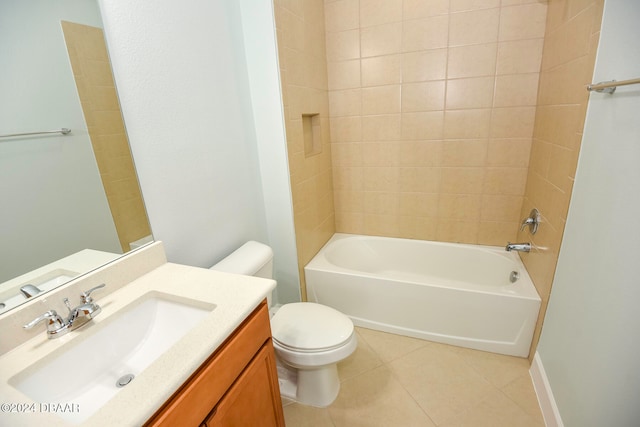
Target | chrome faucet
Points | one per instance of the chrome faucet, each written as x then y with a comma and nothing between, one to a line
520,247
78,316
532,221
29,290
56,326
86,311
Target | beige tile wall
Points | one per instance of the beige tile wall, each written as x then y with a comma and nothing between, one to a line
571,40
303,70
96,88
432,107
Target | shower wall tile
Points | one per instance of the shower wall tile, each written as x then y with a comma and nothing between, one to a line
500,207
381,40
341,15
385,127
468,5
376,12
420,179
380,154
96,89
310,64
523,22
421,153
453,230
519,56
418,204
496,233
432,110
346,129
509,152
424,65
472,61
572,31
422,125
470,93
460,206
467,124
422,96
474,27
383,178
381,70
345,102
426,33
517,2
505,181
343,45
424,8
464,152
342,74
516,90
462,180
514,122
381,100
346,155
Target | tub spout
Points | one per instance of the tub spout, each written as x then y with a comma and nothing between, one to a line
520,247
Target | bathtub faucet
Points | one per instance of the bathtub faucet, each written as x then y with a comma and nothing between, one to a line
520,247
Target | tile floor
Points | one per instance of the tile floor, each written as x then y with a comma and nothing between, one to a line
396,381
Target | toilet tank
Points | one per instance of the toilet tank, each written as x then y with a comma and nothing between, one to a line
251,259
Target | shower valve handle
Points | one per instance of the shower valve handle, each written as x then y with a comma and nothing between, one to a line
532,221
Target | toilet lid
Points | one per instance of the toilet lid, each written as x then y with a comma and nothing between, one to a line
309,326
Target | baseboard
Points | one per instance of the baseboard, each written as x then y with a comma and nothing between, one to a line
545,395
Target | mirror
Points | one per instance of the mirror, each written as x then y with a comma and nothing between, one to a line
71,202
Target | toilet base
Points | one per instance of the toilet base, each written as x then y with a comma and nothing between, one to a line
317,387
287,380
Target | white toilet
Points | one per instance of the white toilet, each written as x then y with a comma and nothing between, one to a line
309,339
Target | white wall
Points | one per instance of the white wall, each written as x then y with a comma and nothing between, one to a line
591,337
53,203
182,78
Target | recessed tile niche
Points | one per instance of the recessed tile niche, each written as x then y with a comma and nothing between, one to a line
312,134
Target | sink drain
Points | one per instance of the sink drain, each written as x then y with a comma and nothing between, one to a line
124,380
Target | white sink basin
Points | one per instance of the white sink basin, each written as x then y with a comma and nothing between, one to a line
86,369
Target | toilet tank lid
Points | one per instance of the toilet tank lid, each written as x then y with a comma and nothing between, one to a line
247,259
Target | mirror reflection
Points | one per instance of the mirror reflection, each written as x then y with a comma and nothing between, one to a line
70,202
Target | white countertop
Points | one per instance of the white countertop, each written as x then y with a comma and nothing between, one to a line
235,298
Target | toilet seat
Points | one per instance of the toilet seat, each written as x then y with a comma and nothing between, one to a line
315,359
308,327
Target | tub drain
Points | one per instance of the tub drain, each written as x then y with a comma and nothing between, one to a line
514,276
124,380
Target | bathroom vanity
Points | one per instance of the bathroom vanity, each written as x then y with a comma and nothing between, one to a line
237,386
196,342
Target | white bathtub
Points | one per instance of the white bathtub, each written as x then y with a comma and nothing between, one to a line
450,293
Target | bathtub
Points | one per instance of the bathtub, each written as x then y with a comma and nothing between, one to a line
450,293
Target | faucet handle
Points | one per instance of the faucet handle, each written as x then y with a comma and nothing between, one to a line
68,304
54,324
532,221
526,222
85,297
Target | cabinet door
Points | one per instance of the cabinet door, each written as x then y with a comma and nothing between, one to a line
210,383
254,399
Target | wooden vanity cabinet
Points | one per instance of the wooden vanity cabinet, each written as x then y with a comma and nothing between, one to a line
236,387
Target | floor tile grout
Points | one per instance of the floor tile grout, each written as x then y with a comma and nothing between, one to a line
482,371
